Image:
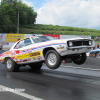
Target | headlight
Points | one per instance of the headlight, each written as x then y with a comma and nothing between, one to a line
70,44
90,42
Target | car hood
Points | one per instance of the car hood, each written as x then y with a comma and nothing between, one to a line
65,40
59,41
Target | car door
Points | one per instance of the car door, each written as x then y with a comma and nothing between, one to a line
23,51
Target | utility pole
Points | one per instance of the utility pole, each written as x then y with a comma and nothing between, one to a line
18,22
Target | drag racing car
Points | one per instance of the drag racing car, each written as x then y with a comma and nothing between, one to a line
95,53
36,50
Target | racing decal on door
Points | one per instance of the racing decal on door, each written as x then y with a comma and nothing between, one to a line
20,55
23,56
34,58
35,53
39,57
28,55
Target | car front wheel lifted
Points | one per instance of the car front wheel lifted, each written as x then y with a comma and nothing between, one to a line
80,59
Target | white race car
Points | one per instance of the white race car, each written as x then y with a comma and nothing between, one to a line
36,50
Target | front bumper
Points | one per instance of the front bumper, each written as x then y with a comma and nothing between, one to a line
76,50
80,47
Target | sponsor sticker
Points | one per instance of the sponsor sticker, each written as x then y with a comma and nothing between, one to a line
35,53
39,57
60,47
23,56
1,36
34,58
54,36
17,61
28,55
13,37
7,53
26,60
61,51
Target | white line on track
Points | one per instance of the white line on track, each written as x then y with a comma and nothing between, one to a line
19,93
80,68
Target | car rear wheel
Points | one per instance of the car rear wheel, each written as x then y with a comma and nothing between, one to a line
80,59
11,65
52,59
36,66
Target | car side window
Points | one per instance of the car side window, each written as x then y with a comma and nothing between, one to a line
19,45
23,43
27,42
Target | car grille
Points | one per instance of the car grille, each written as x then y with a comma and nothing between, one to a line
79,43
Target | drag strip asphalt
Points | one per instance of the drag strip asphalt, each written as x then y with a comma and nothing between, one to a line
47,84
68,82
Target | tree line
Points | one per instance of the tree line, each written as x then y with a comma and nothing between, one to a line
59,28
27,17
9,14
56,29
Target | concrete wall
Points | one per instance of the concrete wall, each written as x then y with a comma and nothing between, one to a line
28,35
25,36
73,36
2,37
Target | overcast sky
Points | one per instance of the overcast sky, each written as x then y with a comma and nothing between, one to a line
75,13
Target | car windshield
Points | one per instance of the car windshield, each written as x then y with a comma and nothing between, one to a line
42,39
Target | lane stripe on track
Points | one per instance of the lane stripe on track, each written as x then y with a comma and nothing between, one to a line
80,68
19,93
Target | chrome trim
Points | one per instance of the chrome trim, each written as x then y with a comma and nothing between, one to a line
79,47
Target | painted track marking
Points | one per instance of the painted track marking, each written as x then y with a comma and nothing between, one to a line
80,68
20,93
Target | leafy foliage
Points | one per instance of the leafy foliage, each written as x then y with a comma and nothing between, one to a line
62,30
27,17
8,15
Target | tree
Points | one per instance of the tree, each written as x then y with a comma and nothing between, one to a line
8,15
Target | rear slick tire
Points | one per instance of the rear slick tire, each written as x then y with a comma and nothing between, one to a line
52,59
11,65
